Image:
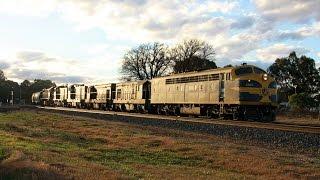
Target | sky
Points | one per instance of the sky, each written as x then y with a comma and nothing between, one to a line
83,41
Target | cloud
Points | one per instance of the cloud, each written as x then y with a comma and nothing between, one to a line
40,60
243,23
36,8
318,54
141,21
71,79
4,65
271,53
299,11
29,56
232,49
299,34
41,74
32,74
39,65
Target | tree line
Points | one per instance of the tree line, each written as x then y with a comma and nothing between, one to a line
21,92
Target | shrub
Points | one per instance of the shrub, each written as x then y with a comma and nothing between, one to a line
302,101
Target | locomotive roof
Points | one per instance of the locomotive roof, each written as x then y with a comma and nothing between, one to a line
62,86
197,72
47,89
130,82
105,84
76,85
217,70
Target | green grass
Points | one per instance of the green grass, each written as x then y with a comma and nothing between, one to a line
122,159
55,145
2,154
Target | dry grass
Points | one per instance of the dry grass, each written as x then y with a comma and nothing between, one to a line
302,118
45,146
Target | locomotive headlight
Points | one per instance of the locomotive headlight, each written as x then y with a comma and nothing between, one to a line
265,77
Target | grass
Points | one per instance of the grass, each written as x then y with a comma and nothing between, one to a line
2,154
302,118
37,145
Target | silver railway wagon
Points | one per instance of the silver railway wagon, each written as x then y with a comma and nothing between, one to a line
77,94
47,96
35,99
101,96
132,96
60,95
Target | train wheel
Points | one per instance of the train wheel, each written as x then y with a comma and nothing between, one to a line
270,117
158,110
123,108
235,116
177,111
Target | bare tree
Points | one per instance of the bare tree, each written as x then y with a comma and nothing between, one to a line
146,62
192,55
2,76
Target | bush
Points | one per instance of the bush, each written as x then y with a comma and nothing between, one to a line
302,101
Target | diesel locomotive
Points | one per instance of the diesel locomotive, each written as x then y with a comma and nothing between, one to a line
240,92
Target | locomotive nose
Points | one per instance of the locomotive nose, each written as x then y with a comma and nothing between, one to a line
265,91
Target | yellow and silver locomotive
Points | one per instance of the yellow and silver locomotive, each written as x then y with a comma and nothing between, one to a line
241,92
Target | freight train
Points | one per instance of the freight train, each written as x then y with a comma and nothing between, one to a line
243,92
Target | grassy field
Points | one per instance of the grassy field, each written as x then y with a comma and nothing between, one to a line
37,145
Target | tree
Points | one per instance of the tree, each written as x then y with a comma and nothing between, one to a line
2,76
296,75
40,84
228,65
6,86
26,91
302,101
192,55
146,62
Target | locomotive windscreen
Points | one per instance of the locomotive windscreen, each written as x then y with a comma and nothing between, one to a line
243,70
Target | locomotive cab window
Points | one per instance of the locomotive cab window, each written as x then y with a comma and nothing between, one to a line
249,83
259,71
243,71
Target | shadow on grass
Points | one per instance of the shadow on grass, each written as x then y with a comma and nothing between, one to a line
16,165
8,173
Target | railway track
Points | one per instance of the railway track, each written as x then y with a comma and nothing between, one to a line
202,120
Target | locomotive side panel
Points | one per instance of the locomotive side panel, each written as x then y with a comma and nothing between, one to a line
214,92
231,92
192,88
